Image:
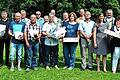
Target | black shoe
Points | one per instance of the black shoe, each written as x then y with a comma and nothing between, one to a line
90,69
82,69
1,65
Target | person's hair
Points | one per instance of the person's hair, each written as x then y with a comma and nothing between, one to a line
38,12
87,12
72,13
22,11
81,9
98,20
50,14
65,12
109,10
116,19
4,12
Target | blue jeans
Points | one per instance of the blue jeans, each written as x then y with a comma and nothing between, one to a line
69,51
32,52
116,56
13,49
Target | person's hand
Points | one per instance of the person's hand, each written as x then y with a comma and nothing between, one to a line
88,40
95,45
49,36
61,40
20,37
28,45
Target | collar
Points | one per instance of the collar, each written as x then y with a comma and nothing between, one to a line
5,19
87,21
35,24
17,22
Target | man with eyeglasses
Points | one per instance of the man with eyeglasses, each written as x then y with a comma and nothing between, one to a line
40,22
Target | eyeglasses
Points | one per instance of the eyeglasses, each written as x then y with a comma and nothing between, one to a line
37,14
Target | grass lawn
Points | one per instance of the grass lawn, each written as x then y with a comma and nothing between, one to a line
53,74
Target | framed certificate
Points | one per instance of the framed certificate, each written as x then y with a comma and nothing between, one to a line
70,40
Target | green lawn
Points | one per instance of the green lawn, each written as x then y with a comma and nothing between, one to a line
53,74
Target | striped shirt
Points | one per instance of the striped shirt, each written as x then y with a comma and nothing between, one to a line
32,30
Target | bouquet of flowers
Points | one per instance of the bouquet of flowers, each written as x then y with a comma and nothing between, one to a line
57,32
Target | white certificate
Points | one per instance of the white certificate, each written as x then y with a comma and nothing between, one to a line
112,33
70,40
2,30
18,35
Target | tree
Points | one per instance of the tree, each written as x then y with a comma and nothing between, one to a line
94,6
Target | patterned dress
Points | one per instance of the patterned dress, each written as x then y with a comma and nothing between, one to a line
101,39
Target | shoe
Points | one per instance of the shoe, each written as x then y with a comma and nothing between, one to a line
114,72
70,68
1,65
35,68
98,70
56,67
82,69
12,69
90,69
19,69
27,69
47,67
65,67
41,64
105,70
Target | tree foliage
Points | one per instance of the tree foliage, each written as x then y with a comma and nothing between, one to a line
94,6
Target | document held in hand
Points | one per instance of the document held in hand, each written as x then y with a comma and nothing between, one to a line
70,40
2,30
112,33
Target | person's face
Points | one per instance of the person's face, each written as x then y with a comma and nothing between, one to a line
109,14
38,15
118,23
53,12
23,15
87,15
65,16
101,17
72,18
46,19
51,18
4,15
82,12
33,19
18,17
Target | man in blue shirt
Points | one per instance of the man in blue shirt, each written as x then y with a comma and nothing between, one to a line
86,28
40,20
16,30
40,23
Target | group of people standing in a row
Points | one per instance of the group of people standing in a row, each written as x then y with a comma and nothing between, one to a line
35,35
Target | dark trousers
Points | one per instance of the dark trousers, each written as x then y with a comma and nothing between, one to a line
51,50
7,46
42,52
